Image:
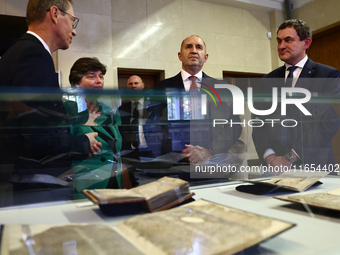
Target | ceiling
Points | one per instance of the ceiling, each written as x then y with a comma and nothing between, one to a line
260,5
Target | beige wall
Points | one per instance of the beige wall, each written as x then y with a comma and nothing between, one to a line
319,13
275,19
149,35
146,34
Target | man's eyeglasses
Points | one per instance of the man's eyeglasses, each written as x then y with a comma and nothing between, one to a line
75,19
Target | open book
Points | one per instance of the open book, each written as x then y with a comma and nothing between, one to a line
158,195
328,200
292,181
200,227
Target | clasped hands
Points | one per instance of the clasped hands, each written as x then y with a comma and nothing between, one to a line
196,154
278,161
93,114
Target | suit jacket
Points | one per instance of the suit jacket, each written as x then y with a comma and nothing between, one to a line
311,138
125,111
28,64
222,137
130,132
175,82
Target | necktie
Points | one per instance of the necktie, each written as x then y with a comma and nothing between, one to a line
135,114
289,80
135,117
193,86
285,139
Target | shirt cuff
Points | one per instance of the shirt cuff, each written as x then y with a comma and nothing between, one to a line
268,152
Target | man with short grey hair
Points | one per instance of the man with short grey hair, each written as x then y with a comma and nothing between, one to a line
28,63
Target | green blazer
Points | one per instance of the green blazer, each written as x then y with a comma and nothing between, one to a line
95,173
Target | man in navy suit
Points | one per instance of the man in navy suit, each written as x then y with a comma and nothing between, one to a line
28,63
309,142
193,56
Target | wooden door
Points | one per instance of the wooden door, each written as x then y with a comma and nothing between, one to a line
149,77
325,49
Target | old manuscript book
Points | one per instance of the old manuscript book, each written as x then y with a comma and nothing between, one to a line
328,200
161,194
293,181
200,227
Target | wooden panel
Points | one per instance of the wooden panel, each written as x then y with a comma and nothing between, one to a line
149,77
325,49
243,80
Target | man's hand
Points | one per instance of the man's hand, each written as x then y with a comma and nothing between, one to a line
197,154
278,161
94,144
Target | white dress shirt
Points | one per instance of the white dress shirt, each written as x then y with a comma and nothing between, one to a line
296,75
187,81
297,71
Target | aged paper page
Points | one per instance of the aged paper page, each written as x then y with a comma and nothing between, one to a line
298,180
298,184
160,186
329,200
163,192
158,194
199,227
114,194
324,200
334,192
87,239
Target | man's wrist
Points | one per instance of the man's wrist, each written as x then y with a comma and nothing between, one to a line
270,158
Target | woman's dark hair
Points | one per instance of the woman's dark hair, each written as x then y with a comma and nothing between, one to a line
83,66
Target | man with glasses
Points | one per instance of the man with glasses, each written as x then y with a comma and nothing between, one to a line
28,63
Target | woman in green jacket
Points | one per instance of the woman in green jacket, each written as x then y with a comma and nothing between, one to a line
104,169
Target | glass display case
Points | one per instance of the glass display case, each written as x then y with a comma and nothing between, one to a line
56,143
45,146
46,154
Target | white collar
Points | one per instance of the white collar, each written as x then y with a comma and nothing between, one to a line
186,75
141,101
300,64
41,40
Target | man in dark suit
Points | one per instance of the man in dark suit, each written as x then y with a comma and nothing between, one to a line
309,142
134,114
193,56
28,63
